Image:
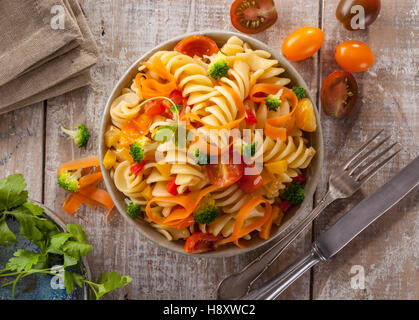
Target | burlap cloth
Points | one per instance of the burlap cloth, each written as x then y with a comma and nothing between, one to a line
38,60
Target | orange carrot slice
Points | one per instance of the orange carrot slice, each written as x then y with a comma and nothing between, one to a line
90,179
265,231
238,230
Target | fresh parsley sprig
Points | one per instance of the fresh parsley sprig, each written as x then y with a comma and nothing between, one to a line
71,246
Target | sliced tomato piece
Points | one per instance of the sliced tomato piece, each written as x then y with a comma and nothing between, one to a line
225,174
197,45
251,180
285,206
176,97
154,108
200,242
253,16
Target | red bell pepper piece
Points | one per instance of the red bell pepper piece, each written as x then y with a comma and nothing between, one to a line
137,167
171,187
250,117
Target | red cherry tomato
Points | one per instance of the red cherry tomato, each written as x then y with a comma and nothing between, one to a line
339,94
200,242
176,97
354,56
302,43
253,16
225,174
154,108
197,45
250,182
358,14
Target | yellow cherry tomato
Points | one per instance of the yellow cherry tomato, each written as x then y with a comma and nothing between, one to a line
302,43
305,117
354,56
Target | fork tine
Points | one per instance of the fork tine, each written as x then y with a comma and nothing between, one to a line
366,155
362,148
373,160
379,166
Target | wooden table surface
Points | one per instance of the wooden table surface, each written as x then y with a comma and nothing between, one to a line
31,143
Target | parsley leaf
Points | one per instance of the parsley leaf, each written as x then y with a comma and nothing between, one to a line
12,192
23,260
77,233
76,249
5,234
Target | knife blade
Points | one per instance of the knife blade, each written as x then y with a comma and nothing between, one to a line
342,232
367,211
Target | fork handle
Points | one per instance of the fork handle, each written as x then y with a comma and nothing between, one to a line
239,284
275,287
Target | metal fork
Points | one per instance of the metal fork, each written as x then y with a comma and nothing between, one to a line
343,183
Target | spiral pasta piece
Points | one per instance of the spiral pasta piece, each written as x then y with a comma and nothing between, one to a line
124,108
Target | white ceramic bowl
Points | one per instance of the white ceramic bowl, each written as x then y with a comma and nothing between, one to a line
313,172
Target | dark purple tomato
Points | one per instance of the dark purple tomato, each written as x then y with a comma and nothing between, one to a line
339,94
353,17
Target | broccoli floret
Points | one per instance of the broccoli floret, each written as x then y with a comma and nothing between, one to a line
133,210
140,147
207,211
201,158
273,102
80,136
70,180
294,193
300,92
219,67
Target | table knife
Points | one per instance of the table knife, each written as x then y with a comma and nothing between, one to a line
342,232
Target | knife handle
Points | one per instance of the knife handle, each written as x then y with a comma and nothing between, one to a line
272,289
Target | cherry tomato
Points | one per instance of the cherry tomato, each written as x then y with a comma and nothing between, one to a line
339,94
354,56
199,242
197,45
225,174
154,108
358,14
253,16
176,97
250,182
302,43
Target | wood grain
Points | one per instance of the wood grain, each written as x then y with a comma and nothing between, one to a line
21,146
31,143
388,250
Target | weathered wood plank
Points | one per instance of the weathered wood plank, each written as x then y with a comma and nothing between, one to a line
388,250
21,146
124,31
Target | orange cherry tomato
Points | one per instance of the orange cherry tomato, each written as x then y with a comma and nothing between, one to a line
302,43
354,56
197,45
